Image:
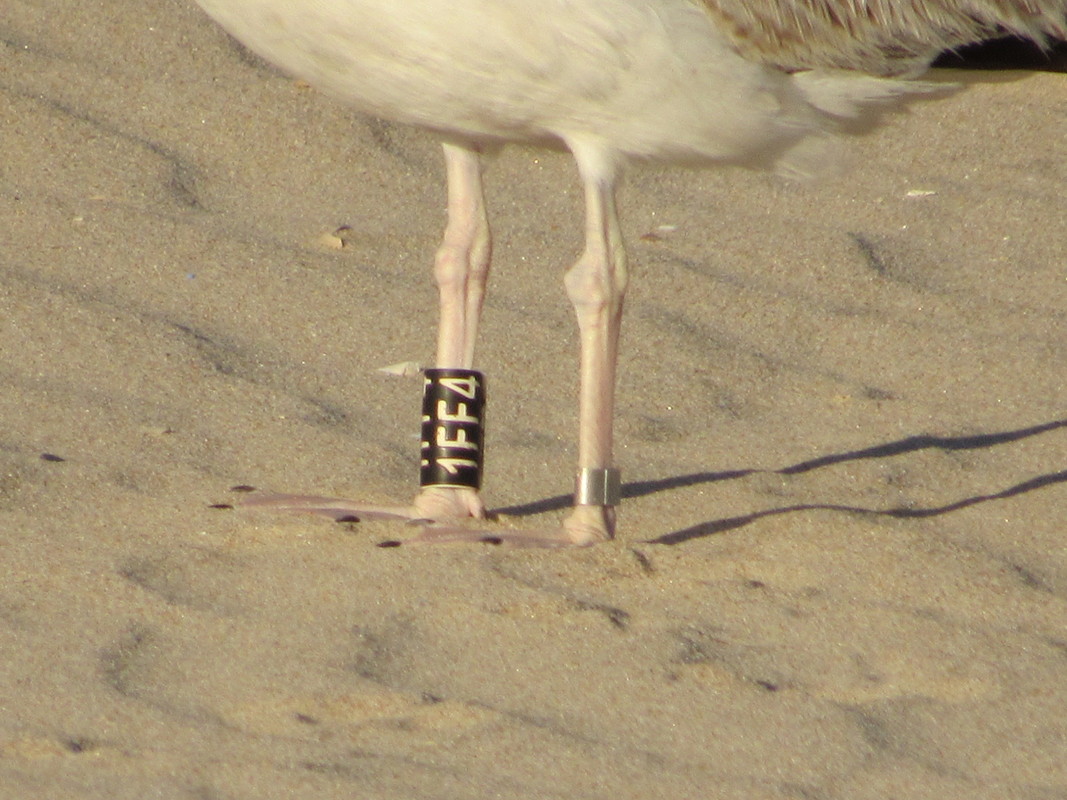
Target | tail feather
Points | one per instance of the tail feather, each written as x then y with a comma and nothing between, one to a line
850,103
855,96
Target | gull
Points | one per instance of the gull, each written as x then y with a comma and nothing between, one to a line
765,84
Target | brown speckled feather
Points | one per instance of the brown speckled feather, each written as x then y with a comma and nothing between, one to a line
880,37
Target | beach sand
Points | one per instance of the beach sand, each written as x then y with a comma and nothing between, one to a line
841,568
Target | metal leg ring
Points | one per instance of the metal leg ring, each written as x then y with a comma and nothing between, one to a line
598,487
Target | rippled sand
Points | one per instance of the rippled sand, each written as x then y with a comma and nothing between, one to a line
842,564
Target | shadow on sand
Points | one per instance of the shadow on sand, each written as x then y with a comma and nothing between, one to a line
910,444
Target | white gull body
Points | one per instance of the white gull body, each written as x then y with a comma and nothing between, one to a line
762,83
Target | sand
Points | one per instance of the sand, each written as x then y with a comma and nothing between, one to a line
841,570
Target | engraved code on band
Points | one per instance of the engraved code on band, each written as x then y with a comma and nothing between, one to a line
453,408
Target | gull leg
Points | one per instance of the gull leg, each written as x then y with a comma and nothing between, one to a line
596,285
462,264
461,268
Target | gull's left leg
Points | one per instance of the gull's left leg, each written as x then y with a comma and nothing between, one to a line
461,269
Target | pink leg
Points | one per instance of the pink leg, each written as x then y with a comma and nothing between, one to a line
462,264
460,270
596,285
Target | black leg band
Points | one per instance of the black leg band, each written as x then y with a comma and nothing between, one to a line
453,408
